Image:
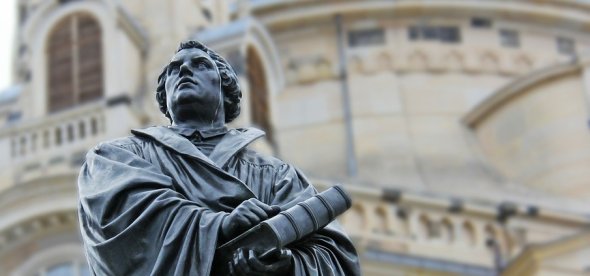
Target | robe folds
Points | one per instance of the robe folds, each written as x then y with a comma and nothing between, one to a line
153,204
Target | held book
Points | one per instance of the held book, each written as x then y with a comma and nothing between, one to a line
288,226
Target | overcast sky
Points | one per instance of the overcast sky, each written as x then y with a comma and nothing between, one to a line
7,22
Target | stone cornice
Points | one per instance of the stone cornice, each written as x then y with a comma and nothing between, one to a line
573,14
512,89
533,256
445,204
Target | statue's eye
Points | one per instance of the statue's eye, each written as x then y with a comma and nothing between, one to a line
173,67
202,64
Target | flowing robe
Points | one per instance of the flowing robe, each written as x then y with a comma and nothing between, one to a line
152,204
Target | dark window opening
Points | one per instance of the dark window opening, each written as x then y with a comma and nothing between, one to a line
93,126
58,136
429,33
445,34
207,14
82,130
368,37
66,1
509,38
450,34
23,146
566,46
70,133
483,23
74,62
22,14
22,49
34,142
13,117
13,145
413,33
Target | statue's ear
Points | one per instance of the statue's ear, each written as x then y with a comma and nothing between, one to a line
162,78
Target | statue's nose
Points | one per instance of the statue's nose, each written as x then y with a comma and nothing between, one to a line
185,70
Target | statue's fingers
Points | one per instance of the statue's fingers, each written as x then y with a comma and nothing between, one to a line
265,207
275,210
286,254
241,263
252,219
255,263
243,223
230,267
260,213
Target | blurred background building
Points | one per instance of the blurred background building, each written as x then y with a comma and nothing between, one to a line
460,127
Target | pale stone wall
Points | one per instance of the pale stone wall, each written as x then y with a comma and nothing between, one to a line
409,101
539,138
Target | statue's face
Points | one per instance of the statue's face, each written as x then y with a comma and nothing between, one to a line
193,85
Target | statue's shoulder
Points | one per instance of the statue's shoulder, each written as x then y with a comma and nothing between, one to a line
120,142
250,150
257,158
133,142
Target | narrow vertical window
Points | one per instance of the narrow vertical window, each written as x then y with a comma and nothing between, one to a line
58,136
23,145
70,133
74,62
60,66
34,142
82,130
93,126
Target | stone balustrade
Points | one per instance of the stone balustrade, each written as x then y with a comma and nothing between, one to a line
426,226
52,145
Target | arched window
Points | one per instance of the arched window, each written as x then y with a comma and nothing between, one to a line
74,62
259,106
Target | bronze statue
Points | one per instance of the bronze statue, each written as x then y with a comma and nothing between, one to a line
161,201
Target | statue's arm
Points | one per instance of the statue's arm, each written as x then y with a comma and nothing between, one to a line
133,222
327,252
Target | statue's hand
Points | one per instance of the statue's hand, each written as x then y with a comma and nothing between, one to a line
247,262
245,216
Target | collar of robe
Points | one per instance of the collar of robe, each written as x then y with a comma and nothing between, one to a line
231,143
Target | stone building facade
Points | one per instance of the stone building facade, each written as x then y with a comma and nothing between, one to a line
459,127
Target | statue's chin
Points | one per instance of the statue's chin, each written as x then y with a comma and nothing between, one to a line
187,95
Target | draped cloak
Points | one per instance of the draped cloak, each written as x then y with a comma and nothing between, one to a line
152,204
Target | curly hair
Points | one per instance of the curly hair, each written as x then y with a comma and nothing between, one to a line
229,83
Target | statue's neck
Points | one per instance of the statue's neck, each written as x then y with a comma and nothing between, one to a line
201,117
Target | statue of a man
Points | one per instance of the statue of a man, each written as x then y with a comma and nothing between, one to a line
160,201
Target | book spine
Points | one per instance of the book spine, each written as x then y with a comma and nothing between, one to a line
309,216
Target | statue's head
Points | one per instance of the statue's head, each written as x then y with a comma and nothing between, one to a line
197,78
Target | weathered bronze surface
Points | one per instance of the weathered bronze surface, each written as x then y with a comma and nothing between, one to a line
161,201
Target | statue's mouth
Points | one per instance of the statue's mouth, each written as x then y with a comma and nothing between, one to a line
185,80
